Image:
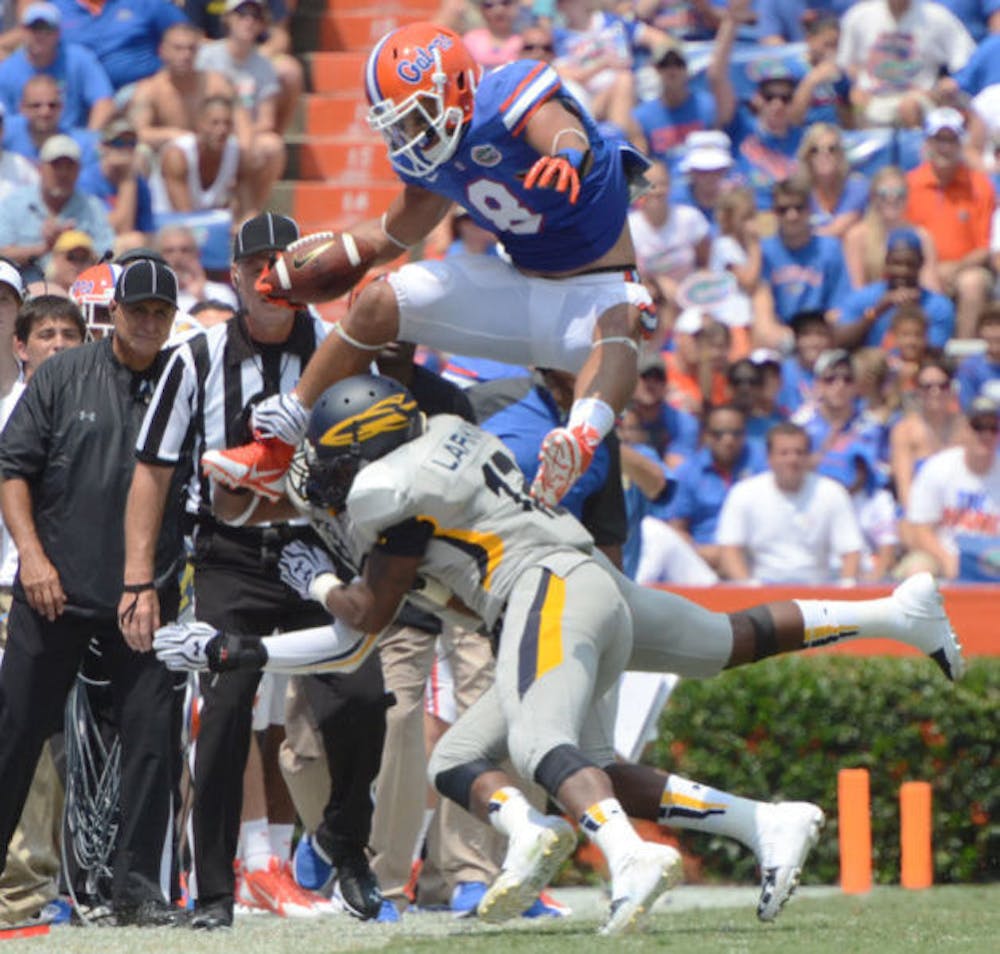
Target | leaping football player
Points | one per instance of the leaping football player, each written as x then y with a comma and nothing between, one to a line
516,150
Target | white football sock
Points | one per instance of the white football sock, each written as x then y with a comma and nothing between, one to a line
836,621
608,827
687,804
281,840
256,844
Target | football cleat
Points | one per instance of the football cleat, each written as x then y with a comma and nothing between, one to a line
310,868
546,906
564,456
534,855
243,901
465,898
275,890
927,625
652,870
259,466
357,889
784,834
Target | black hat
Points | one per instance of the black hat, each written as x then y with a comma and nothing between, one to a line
145,279
142,252
267,232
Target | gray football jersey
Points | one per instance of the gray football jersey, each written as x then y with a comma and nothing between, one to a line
487,529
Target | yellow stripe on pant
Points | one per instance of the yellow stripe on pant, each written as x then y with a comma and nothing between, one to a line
542,643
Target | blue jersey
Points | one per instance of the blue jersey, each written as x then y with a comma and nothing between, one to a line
853,198
125,34
939,309
666,127
81,79
809,278
539,228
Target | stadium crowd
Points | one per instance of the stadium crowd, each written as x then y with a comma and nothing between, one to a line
818,402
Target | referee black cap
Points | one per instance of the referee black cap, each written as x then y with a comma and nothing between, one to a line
146,279
267,232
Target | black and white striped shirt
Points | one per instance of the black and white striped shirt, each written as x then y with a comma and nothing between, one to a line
205,394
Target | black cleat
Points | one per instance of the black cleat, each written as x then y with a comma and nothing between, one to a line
213,915
356,886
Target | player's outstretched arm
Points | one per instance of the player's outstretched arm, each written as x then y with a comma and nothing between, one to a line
409,219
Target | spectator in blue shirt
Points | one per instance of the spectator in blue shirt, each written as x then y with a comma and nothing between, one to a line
705,170
704,479
822,91
800,271
660,126
787,21
116,181
124,34
767,142
813,335
749,385
33,217
838,195
835,423
866,314
41,118
983,67
673,434
85,87
979,370
977,16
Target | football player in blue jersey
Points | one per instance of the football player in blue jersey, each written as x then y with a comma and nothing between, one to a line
526,161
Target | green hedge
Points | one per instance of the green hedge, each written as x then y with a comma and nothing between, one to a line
783,729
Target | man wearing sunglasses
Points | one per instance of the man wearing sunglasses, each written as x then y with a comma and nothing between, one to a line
800,271
954,507
836,423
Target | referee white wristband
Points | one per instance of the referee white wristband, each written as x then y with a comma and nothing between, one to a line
323,584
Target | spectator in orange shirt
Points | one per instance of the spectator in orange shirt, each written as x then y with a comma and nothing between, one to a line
955,204
696,368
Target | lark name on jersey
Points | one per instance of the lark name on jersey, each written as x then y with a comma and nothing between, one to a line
457,447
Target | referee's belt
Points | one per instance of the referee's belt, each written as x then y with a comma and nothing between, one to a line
263,538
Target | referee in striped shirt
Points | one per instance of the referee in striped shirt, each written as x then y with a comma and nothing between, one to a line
203,401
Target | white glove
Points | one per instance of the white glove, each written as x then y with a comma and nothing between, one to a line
183,646
281,416
302,564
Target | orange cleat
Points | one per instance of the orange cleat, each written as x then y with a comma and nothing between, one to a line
259,466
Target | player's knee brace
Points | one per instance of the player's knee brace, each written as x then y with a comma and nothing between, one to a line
559,764
456,783
765,634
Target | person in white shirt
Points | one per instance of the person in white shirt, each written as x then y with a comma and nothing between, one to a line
894,52
787,524
954,506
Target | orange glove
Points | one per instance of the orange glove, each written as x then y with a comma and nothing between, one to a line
556,172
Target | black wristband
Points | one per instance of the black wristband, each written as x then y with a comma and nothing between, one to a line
227,652
138,587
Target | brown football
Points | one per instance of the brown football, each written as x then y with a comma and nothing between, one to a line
317,268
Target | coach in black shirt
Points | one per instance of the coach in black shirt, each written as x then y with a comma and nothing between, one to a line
66,459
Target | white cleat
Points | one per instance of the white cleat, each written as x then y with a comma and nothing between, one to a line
533,858
929,628
785,834
652,871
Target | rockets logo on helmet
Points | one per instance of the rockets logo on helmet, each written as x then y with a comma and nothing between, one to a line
421,83
356,421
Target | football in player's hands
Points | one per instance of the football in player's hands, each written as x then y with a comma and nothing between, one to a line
316,268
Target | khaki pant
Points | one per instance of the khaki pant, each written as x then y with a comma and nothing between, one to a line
30,879
459,848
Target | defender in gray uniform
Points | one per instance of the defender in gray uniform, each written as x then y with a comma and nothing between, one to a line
440,514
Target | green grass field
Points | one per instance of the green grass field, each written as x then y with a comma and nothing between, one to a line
887,921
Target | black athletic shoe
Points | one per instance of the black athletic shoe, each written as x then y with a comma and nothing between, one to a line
356,887
213,915
150,913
